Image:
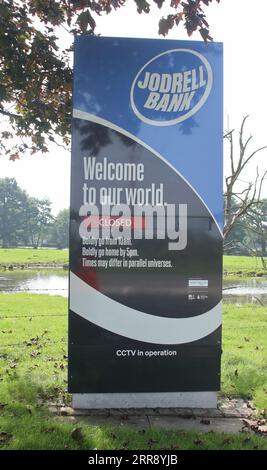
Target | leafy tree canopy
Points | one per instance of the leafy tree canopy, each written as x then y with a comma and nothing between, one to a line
60,230
35,73
12,202
23,218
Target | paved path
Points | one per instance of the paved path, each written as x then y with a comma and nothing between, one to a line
231,416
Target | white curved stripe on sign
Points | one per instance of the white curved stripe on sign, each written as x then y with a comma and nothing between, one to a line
98,120
106,313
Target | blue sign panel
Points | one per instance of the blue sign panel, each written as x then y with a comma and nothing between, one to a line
146,216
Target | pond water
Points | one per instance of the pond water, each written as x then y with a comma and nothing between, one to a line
52,282
244,291
55,282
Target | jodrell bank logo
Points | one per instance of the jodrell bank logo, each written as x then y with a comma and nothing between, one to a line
171,87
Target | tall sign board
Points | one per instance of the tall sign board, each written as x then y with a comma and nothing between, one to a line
146,218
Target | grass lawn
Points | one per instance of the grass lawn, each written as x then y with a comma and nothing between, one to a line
244,364
33,370
242,265
30,256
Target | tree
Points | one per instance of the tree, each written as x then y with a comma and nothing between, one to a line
12,213
236,239
257,231
60,230
248,235
35,74
23,219
238,203
259,222
38,215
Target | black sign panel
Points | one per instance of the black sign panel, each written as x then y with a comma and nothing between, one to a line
145,238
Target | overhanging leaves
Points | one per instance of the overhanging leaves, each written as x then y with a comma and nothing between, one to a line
35,72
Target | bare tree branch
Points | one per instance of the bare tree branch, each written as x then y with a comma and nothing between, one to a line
238,203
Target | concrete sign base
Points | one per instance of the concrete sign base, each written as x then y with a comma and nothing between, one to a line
145,400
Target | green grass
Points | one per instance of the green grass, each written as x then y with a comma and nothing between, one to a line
244,353
33,371
27,256
19,256
243,265
38,431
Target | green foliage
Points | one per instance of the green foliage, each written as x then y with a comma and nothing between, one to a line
249,233
38,215
257,230
35,73
12,212
35,77
59,234
23,219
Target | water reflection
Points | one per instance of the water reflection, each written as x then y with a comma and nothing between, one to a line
37,282
243,291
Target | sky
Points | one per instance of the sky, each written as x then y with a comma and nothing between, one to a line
240,25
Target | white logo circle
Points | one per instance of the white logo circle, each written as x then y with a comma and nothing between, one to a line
167,121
